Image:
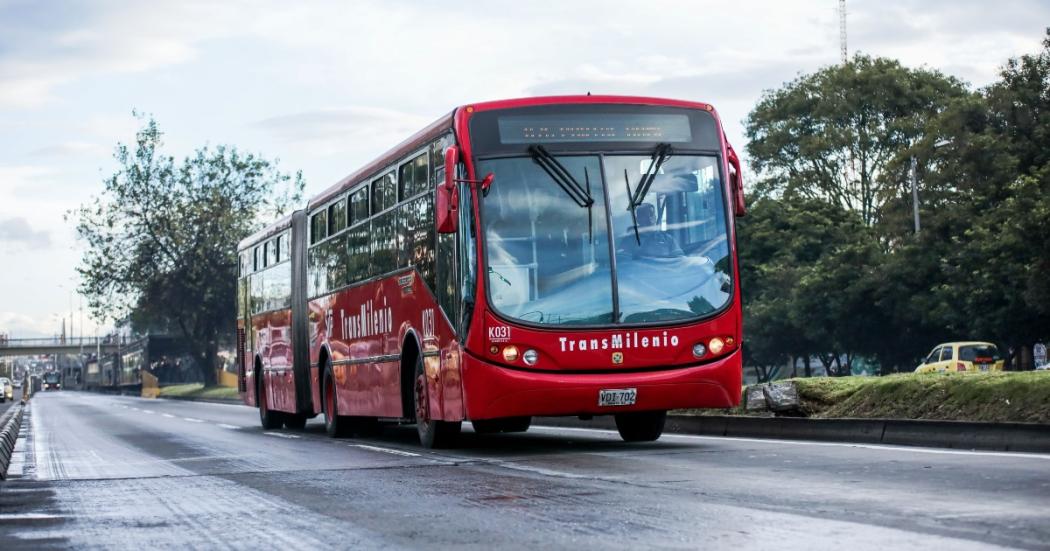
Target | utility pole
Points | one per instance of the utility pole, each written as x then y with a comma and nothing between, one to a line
915,193
842,31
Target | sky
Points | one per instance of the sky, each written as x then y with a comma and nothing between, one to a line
326,86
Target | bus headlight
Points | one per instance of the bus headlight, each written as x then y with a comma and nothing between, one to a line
510,353
716,345
531,356
699,350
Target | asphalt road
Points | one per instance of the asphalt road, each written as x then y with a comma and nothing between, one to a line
131,473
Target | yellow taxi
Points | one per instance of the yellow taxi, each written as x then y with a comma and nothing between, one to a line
968,356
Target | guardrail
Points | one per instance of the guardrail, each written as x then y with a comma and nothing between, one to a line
59,341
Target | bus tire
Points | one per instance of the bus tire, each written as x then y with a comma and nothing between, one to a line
335,425
641,426
517,424
268,418
432,433
295,421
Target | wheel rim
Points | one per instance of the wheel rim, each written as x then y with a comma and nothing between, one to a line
422,406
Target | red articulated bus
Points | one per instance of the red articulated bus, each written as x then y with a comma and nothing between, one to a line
547,256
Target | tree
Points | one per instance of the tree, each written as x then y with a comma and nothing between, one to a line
161,239
993,217
833,135
792,254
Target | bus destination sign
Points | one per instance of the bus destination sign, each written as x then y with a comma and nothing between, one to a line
594,127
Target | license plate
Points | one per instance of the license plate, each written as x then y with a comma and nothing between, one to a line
617,397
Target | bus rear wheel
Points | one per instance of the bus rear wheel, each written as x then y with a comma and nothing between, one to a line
641,426
268,418
432,433
335,425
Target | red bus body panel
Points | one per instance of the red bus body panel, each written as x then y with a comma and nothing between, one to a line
361,330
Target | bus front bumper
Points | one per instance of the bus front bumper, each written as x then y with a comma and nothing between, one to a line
492,391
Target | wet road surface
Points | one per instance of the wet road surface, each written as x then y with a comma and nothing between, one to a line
124,472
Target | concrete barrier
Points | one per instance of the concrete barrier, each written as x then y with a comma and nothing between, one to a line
10,423
1027,437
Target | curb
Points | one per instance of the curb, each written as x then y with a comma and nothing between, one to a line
10,423
1026,437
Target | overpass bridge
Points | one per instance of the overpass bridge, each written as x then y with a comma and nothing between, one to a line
57,345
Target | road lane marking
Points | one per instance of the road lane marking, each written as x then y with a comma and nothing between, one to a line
281,435
192,420
149,411
168,415
384,450
30,516
884,447
231,427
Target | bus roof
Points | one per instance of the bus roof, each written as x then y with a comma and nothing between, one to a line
581,99
271,229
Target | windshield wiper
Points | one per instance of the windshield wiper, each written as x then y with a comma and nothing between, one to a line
630,207
660,155
561,176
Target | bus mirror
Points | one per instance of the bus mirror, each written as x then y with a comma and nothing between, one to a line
451,158
446,204
736,181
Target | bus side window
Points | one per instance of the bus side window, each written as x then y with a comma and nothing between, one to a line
359,205
384,193
271,252
337,217
318,227
406,180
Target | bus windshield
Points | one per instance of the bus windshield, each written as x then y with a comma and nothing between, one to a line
553,260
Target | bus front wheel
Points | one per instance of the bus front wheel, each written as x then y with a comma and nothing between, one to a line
268,418
335,425
641,426
432,433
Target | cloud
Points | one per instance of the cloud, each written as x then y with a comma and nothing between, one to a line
16,232
69,149
44,45
17,325
337,130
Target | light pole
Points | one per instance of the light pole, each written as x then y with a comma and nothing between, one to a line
915,183
915,193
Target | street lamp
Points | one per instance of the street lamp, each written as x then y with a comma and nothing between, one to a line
915,183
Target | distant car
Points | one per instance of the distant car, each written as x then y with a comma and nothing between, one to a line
7,390
968,356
